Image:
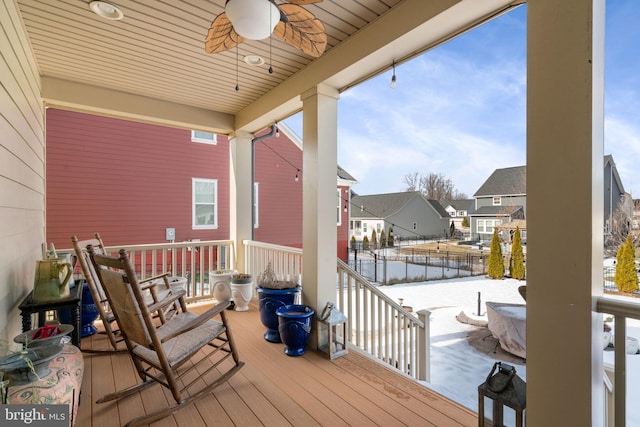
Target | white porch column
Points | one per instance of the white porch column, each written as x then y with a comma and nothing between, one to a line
240,190
319,169
565,63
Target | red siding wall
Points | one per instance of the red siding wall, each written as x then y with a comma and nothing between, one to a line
280,197
127,180
343,228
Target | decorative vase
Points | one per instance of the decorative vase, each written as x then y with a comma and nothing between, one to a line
242,291
271,300
88,314
294,325
220,282
29,364
178,283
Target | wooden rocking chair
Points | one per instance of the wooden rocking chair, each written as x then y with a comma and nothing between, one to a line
164,354
154,292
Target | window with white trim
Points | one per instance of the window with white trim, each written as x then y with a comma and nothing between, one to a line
204,137
497,201
205,203
486,226
255,205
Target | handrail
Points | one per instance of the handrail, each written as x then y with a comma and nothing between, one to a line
621,309
285,261
375,323
193,260
381,327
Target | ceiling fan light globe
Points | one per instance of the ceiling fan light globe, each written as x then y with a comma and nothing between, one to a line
253,19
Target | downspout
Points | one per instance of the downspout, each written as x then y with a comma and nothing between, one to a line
272,131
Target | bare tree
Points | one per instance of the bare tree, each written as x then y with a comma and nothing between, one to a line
619,226
433,186
413,182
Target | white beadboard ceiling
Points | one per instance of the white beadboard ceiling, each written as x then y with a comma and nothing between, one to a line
157,50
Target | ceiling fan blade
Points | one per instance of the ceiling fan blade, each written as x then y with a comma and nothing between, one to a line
304,1
221,36
302,30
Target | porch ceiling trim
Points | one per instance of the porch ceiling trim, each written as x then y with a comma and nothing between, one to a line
82,97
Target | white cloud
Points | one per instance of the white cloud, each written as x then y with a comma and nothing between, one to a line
622,141
460,109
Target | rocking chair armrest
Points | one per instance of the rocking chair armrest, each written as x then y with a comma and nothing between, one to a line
200,320
168,300
152,281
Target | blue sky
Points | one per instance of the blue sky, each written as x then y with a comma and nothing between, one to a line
459,110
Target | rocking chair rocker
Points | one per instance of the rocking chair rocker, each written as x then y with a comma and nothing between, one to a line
164,353
156,287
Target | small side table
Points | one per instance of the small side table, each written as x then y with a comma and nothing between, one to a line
73,302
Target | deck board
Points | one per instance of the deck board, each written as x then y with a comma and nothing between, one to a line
272,389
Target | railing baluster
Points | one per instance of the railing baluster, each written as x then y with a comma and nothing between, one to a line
621,309
375,323
620,386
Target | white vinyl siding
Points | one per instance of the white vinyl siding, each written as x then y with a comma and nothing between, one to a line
23,166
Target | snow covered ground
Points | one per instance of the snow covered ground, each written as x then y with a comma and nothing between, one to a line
462,355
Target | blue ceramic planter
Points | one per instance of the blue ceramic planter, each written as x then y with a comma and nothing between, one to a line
294,325
88,315
271,300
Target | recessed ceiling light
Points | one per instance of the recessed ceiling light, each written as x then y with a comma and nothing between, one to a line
253,60
106,10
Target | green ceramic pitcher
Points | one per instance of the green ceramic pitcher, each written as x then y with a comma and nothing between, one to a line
52,279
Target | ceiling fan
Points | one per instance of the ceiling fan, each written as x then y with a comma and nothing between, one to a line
257,19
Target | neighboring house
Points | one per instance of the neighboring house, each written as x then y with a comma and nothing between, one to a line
635,222
409,213
108,171
458,210
282,198
503,199
614,196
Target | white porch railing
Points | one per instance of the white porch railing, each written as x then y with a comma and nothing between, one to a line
381,327
376,324
193,260
621,309
285,261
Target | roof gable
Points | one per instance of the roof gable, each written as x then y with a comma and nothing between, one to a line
385,205
460,204
502,182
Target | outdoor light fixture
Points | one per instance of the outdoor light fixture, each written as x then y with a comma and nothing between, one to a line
297,175
254,60
106,10
253,19
393,77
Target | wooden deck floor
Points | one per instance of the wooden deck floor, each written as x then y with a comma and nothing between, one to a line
273,389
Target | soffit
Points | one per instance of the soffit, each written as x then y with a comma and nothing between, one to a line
157,51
